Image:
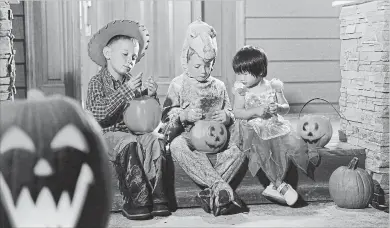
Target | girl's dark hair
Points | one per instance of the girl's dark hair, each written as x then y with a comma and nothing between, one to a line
250,59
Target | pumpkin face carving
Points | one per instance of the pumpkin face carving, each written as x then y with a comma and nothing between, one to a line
208,136
53,166
351,187
315,130
143,115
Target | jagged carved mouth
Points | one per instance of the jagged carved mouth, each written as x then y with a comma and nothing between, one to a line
44,212
313,141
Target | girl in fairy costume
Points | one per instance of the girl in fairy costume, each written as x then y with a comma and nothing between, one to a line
267,138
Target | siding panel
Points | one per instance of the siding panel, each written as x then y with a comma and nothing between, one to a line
18,27
20,80
300,93
296,8
21,93
300,49
292,28
305,71
301,39
18,30
17,9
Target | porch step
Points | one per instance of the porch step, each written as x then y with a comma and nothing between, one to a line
183,190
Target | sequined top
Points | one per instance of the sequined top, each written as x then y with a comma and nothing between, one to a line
271,126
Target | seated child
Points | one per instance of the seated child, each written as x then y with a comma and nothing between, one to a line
268,139
191,96
138,159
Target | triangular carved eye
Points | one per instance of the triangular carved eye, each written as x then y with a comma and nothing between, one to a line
16,138
70,136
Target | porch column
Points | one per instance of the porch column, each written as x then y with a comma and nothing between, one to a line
7,53
364,100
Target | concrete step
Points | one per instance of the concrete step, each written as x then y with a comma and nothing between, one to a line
182,189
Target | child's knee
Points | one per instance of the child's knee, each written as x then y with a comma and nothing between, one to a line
129,137
236,152
177,144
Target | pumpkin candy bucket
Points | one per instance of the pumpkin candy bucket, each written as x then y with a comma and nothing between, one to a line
351,187
143,115
208,136
316,130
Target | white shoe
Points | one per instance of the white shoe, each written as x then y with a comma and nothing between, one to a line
288,193
272,192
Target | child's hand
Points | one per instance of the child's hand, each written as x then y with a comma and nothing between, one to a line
273,108
191,115
152,86
260,111
220,116
240,88
135,82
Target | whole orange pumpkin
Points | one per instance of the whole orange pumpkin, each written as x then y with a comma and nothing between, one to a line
208,136
351,187
143,115
315,130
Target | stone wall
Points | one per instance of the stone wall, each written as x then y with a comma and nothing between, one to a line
7,53
364,100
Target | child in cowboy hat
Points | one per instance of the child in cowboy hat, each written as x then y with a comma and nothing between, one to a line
138,159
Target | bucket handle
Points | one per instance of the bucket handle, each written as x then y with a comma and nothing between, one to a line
317,98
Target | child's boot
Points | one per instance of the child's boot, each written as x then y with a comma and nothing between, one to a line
132,184
160,201
203,199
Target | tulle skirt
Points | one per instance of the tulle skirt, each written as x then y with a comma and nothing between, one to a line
270,145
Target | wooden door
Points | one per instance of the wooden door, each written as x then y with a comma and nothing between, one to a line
227,17
53,47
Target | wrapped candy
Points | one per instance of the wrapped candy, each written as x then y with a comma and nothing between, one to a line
277,85
240,88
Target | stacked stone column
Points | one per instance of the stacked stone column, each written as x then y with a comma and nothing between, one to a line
7,53
364,100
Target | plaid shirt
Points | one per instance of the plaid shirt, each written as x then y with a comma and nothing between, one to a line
107,99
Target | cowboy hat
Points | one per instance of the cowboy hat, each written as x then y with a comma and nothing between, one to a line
114,28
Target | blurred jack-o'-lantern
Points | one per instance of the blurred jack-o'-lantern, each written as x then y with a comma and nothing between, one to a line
208,136
53,165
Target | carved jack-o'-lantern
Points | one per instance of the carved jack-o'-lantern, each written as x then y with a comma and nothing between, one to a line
143,115
315,130
53,166
208,136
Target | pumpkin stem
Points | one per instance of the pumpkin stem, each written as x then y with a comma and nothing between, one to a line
353,163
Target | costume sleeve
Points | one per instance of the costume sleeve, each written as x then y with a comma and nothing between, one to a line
107,109
172,125
227,105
